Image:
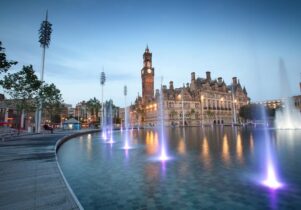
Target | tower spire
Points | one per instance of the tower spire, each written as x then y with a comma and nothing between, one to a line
47,15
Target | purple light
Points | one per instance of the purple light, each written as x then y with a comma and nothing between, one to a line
111,141
163,155
271,179
104,135
126,141
126,145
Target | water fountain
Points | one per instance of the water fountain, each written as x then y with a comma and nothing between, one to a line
109,121
289,116
101,124
126,142
271,179
163,154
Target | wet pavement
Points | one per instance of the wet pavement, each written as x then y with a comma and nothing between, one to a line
30,175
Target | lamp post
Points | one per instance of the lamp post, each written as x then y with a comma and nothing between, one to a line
102,83
44,39
221,109
182,97
202,107
125,111
233,104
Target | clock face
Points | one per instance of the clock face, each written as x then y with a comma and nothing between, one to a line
149,71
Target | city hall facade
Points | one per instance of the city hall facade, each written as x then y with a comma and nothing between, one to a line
203,101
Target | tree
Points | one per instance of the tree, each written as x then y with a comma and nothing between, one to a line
93,106
254,112
23,88
4,63
51,99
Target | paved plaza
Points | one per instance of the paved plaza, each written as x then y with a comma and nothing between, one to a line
30,176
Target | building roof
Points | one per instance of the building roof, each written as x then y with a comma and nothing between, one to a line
71,121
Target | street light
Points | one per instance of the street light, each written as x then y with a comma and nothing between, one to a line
202,107
102,83
221,108
44,39
234,101
125,91
182,97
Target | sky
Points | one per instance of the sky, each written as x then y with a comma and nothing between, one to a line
229,38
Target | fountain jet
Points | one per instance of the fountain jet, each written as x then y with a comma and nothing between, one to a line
126,142
271,180
289,117
163,154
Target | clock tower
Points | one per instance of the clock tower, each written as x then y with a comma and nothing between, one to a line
147,76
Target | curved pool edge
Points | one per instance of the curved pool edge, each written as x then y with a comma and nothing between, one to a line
57,145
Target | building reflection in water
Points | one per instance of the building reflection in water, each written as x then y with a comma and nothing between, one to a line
206,153
151,142
133,135
225,151
251,143
182,146
152,177
89,145
239,149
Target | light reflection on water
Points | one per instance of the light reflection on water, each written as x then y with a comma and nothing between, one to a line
239,149
196,174
251,142
225,153
151,142
205,153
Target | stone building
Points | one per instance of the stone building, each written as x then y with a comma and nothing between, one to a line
202,101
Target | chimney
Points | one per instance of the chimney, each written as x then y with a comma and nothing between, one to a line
164,87
208,76
192,77
234,80
220,80
157,93
171,85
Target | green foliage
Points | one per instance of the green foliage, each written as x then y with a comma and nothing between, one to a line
254,112
4,63
173,113
93,106
22,87
49,95
56,118
51,99
27,92
210,113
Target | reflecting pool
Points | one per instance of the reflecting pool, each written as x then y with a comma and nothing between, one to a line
209,168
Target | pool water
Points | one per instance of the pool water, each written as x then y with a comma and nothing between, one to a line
209,168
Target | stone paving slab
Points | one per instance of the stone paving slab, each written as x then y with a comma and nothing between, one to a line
29,174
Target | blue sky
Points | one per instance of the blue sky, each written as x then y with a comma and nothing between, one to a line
229,38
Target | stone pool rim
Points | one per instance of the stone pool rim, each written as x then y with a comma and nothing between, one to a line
57,146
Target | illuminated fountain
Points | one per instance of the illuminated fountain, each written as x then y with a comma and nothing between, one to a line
163,153
104,131
271,179
109,121
102,124
289,116
126,142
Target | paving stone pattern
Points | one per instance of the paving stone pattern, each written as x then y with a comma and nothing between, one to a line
29,174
